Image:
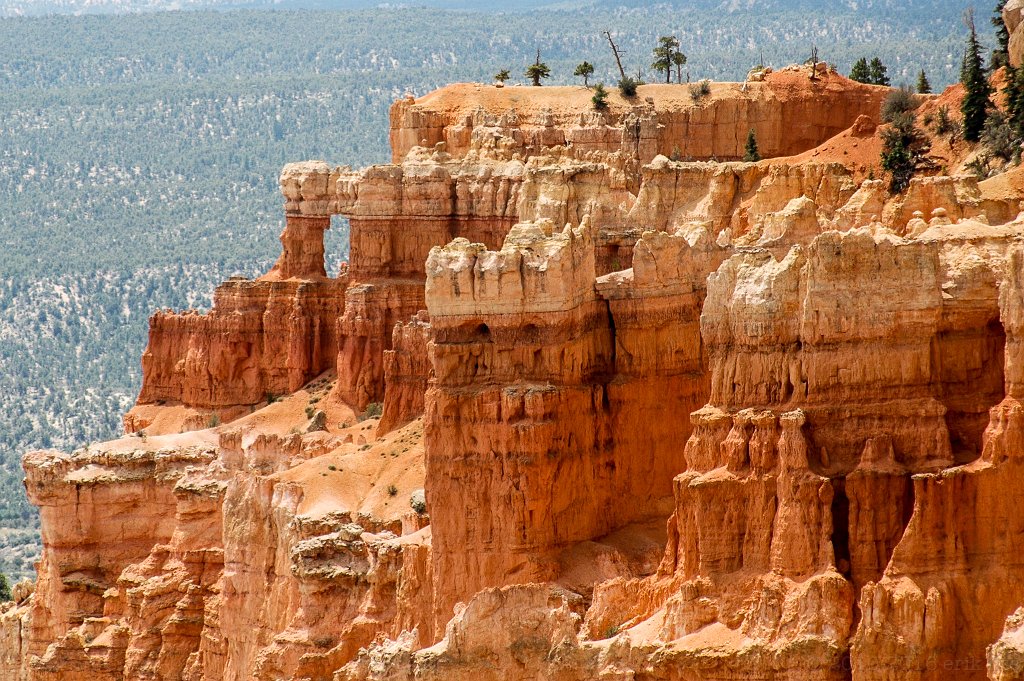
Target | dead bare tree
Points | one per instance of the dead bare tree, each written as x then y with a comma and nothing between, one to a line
615,51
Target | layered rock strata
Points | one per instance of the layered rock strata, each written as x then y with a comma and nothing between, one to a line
249,567
637,418
521,343
262,338
659,120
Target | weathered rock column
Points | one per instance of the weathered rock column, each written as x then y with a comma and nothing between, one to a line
518,456
302,243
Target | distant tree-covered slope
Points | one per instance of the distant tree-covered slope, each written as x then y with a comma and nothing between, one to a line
42,7
139,157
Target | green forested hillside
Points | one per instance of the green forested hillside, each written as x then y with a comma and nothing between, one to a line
139,156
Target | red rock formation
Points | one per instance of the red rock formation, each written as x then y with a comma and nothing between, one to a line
666,121
248,566
14,626
406,371
953,578
520,345
103,512
262,337
302,255
821,414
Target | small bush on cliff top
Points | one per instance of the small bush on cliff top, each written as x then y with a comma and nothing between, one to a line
5,589
600,98
897,102
628,86
700,90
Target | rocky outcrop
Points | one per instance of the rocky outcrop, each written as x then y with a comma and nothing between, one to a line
520,344
1005,657
661,120
14,625
1012,14
262,338
104,511
246,566
572,410
933,616
406,372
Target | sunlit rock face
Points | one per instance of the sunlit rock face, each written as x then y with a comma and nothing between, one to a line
571,410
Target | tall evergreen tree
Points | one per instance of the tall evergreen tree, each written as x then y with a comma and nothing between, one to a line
1000,55
924,87
667,55
860,71
1014,92
679,60
752,154
878,72
977,89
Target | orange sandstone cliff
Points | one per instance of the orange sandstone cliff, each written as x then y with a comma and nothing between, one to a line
573,410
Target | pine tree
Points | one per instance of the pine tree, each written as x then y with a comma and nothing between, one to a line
585,69
502,76
923,86
600,98
752,154
1000,55
860,71
878,72
1014,92
679,61
5,589
667,55
902,148
537,70
976,102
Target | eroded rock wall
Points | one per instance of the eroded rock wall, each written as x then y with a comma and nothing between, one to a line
680,419
783,110
520,344
261,338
